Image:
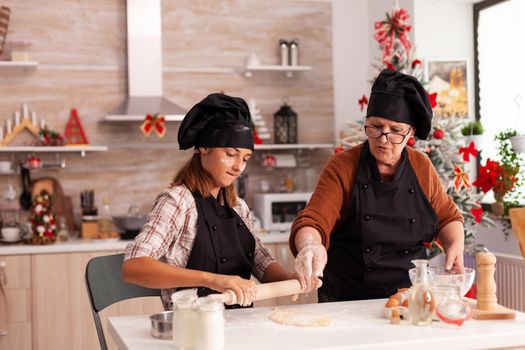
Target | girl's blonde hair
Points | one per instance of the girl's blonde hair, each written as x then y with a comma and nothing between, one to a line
197,179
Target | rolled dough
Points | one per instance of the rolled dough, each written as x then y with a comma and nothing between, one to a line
300,318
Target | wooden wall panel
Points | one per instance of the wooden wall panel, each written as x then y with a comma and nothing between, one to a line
81,48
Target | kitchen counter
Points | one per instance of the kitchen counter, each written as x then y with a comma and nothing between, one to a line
357,325
80,245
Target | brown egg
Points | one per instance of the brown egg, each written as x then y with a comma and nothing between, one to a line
391,302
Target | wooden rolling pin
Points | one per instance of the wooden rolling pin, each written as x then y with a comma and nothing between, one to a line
267,291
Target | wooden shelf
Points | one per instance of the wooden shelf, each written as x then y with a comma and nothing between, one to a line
82,149
18,66
294,146
137,118
288,70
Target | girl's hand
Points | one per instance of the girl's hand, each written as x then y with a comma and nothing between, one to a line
244,289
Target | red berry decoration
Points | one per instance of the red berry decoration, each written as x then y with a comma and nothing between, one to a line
439,134
411,142
339,149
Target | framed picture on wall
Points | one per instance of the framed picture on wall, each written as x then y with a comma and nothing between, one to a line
448,78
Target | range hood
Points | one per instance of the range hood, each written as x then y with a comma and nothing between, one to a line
145,67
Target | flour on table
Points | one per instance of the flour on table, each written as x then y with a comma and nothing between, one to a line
300,318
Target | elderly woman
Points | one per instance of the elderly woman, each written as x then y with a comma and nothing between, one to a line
376,204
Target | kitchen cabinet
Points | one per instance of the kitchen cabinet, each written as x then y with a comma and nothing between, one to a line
62,316
18,293
281,252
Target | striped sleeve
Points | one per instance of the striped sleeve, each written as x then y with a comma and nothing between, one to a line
168,224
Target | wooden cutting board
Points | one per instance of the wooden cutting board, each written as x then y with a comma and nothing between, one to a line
498,312
486,306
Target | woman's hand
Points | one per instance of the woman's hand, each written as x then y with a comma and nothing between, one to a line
310,263
454,258
244,289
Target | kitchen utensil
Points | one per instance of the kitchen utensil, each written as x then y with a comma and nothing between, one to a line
267,291
129,223
162,325
450,306
10,234
25,196
439,276
487,307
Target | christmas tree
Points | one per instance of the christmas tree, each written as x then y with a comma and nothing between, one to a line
445,144
43,220
260,130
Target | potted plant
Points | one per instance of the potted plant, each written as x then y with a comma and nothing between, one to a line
503,177
518,143
472,131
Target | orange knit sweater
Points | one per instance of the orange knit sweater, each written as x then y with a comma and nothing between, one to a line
330,202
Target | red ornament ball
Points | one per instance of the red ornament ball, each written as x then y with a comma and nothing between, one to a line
411,142
439,134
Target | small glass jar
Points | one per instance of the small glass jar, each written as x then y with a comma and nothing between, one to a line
184,314
450,306
210,323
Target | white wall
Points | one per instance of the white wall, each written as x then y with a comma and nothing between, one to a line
350,59
443,29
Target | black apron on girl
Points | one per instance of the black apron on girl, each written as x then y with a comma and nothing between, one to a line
370,254
223,244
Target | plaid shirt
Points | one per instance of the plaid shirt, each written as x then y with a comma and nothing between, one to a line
169,234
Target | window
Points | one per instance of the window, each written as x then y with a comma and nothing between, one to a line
500,69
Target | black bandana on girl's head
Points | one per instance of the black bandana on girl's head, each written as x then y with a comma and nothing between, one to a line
218,120
401,98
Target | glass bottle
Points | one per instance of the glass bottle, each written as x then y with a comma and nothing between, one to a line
105,220
421,302
63,233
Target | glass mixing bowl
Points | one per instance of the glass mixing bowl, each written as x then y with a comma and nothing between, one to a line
438,276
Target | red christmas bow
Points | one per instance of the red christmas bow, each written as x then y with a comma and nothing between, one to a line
153,123
468,151
488,175
460,178
386,31
477,212
363,101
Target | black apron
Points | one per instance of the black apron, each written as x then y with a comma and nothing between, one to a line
223,244
370,254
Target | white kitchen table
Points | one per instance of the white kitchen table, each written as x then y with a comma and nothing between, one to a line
357,325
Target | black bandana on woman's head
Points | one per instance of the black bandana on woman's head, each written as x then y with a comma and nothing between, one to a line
401,98
218,120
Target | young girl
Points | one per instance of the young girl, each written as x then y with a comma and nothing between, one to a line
199,233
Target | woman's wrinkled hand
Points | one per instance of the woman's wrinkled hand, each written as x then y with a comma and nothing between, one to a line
454,258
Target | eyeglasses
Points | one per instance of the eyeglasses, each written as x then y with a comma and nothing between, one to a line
392,137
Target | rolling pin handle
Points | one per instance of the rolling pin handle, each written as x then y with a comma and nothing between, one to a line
229,297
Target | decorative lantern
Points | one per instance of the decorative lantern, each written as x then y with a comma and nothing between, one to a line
285,124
